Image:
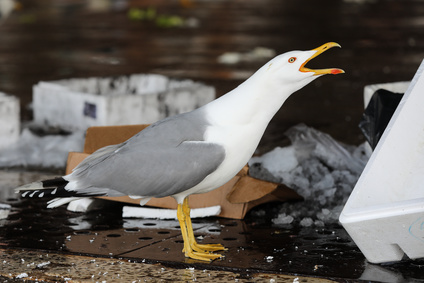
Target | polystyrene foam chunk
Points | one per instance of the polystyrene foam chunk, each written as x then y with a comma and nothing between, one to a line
373,271
384,214
76,104
395,170
9,120
386,239
80,205
161,213
4,210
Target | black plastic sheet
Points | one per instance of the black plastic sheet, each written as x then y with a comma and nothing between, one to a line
378,114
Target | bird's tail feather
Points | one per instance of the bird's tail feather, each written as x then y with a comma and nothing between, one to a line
56,202
53,188
47,188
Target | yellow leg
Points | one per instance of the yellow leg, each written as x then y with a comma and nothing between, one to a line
193,243
186,231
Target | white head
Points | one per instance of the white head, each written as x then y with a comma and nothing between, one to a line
287,71
261,96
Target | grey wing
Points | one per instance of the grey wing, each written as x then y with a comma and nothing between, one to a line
149,169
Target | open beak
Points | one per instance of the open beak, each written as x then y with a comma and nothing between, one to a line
320,50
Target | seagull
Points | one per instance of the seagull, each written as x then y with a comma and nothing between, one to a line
190,153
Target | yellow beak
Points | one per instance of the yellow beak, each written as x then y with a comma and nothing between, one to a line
320,50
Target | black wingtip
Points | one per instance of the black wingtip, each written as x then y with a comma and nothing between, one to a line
45,192
52,188
56,182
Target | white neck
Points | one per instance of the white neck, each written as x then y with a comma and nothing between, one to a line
254,101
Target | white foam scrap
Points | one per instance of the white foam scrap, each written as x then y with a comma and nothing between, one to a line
269,258
283,219
49,151
161,213
79,103
5,206
306,222
212,228
278,160
9,120
22,275
4,213
40,265
4,210
320,169
81,205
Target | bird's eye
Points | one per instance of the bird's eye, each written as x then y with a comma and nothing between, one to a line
292,59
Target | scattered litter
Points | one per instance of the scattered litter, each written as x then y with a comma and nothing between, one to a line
306,222
22,275
272,160
87,204
9,119
49,151
257,54
4,210
40,265
80,205
282,219
80,103
318,168
269,258
160,213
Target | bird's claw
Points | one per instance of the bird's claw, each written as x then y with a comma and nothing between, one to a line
205,256
208,247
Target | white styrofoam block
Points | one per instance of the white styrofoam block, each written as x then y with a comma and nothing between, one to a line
161,213
4,210
375,271
81,205
9,120
76,104
385,212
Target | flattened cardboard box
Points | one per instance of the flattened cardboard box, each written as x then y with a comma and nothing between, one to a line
236,197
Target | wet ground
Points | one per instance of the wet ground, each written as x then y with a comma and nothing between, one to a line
54,244
383,41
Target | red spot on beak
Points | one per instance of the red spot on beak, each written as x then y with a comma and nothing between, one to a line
336,71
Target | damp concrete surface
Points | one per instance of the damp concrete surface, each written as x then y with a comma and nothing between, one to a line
57,245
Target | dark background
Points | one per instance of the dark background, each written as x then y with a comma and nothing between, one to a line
382,41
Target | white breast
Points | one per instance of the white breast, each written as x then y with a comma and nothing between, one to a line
240,142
